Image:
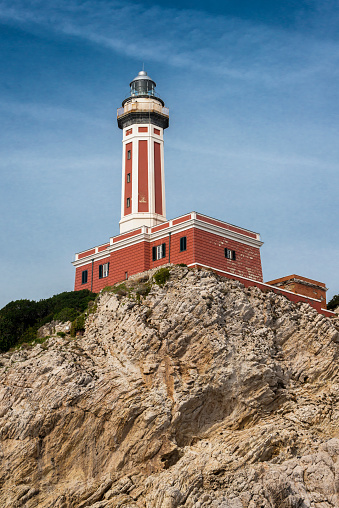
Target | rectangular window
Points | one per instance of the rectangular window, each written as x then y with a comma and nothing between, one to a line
128,154
142,129
128,202
128,132
183,243
84,277
126,275
128,177
230,254
103,270
159,252
157,131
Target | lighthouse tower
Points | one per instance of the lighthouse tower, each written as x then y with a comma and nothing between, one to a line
142,119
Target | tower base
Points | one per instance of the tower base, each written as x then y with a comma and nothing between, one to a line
136,220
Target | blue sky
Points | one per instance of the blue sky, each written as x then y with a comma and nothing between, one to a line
252,88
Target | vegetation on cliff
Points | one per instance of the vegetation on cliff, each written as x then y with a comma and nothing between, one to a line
21,319
334,303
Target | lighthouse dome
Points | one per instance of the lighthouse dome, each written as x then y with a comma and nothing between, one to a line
142,84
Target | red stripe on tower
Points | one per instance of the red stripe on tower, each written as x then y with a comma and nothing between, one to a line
157,178
143,176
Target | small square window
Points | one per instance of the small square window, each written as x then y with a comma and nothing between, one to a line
84,277
128,154
128,177
128,202
230,254
183,243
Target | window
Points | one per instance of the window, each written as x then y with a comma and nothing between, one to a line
126,275
128,202
84,277
183,243
103,270
128,177
128,154
159,252
230,254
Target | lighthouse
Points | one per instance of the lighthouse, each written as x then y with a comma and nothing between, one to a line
142,118
147,239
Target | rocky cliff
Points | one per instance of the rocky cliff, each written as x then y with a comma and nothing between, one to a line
199,394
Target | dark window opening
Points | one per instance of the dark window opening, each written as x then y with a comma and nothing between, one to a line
128,177
230,254
183,243
84,277
126,275
159,252
128,202
128,154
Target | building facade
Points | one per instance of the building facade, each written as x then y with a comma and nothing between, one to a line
193,239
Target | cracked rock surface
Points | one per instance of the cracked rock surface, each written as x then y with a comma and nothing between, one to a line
200,394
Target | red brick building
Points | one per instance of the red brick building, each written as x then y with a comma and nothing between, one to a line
147,239
193,239
302,285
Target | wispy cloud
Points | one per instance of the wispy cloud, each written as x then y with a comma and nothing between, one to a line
187,39
42,112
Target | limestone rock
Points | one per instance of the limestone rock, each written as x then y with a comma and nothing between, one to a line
200,394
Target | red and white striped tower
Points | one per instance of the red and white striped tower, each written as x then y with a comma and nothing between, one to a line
142,119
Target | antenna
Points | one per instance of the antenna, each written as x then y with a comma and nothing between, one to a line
143,66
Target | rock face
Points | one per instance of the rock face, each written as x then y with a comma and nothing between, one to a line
201,394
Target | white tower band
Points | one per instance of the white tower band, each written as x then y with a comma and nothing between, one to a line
142,119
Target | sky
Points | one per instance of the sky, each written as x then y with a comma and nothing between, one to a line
252,88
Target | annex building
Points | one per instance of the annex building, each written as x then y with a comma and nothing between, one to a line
148,240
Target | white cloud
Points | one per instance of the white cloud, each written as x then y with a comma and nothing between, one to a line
194,40
45,112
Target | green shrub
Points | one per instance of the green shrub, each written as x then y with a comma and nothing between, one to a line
66,314
182,264
120,289
78,325
143,289
107,289
61,334
161,276
92,307
41,340
334,303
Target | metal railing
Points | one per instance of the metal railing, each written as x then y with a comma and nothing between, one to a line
143,107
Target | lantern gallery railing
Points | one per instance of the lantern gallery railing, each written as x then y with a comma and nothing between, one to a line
142,106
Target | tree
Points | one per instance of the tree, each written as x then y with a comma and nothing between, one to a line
334,303
21,319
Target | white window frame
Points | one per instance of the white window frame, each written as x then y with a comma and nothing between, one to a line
105,270
159,252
